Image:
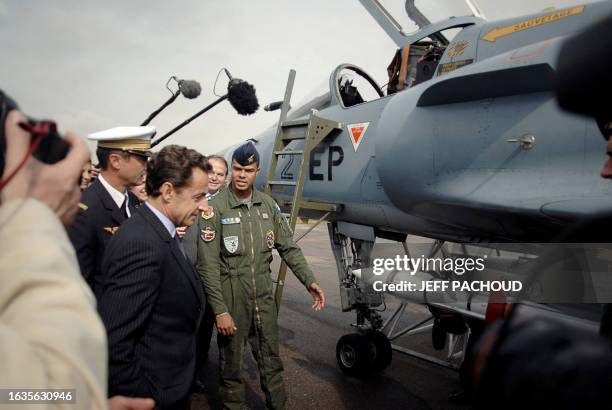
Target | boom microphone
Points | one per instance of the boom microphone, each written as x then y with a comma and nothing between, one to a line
189,88
241,95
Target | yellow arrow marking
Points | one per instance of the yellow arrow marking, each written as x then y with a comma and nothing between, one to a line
496,33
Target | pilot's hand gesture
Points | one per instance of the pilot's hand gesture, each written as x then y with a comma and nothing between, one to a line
225,324
318,296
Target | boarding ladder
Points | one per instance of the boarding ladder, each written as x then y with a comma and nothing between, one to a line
312,130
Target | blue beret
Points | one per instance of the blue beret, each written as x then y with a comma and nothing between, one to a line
246,154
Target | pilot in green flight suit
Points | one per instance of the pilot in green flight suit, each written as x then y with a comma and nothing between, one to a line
234,255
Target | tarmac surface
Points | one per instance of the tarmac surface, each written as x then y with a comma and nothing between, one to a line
308,348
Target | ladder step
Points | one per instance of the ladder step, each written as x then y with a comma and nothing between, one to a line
293,137
294,123
288,183
295,152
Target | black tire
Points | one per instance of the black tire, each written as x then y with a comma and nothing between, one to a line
380,350
353,354
438,335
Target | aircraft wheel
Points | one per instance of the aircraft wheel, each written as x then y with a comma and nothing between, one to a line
380,350
353,354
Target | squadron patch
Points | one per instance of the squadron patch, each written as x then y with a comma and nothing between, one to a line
111,229
231,243
230,221
209,213
270,239
208,234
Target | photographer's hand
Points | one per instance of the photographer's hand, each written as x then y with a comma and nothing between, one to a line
55,185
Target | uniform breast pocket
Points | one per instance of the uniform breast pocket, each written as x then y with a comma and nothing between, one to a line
232,239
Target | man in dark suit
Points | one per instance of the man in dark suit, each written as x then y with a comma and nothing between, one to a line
152,299
106,203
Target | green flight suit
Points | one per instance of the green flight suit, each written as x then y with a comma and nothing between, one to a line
234,254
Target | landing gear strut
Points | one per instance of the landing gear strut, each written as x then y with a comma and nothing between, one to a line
369,350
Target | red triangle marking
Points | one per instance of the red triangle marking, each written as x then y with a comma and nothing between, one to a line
356,133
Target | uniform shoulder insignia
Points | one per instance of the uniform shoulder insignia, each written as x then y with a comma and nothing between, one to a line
270,239
83,206
209,213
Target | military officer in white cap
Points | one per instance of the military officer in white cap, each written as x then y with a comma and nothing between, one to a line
106,203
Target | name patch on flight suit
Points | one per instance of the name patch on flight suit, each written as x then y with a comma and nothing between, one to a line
270,239
231,243
111,229
208,234
230,221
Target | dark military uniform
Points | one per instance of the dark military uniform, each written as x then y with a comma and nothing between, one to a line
234,255
98,219
99,216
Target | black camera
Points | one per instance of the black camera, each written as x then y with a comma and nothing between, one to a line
48,146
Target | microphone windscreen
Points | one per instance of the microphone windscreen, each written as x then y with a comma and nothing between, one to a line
242,97
190,88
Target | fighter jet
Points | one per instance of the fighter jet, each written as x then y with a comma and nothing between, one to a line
465,145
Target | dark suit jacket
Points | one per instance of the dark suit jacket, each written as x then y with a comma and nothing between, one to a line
151,306
98,219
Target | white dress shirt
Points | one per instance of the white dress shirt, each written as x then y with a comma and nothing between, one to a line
118,196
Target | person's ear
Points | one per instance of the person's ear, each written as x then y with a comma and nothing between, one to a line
114,161
167,192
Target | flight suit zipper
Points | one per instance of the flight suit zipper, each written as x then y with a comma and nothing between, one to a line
257,317
242,235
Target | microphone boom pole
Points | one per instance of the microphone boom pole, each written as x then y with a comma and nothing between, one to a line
160,109
188,120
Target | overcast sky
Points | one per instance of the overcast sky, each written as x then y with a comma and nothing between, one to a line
92,65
